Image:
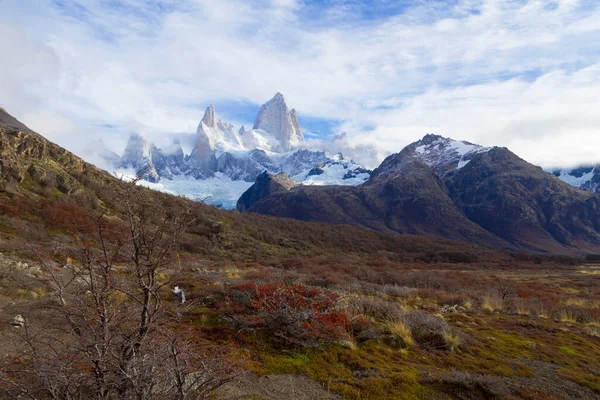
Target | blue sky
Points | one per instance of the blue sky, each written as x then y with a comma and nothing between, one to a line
518,73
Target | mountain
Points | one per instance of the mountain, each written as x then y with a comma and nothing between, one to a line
275,118
586,177
456,190
44,189
443,155
267,185
139,155
224,162
412,201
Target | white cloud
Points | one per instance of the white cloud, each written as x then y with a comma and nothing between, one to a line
520,74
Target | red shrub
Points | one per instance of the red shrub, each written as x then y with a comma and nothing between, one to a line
296,315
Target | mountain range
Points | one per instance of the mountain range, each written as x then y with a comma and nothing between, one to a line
452,189
436,186
225,161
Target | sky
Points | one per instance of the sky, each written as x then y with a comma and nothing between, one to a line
524,74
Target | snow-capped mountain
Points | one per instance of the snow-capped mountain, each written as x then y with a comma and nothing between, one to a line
276,119
224,161
585,177
443,155
138,155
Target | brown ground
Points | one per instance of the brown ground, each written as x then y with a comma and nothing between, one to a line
276,387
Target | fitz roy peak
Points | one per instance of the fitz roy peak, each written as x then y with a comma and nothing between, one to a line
276,119
225,161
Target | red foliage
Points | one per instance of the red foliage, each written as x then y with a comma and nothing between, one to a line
298,315
67,216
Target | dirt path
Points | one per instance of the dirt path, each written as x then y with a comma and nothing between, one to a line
276,387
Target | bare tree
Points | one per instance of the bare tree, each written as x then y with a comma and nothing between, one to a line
119,339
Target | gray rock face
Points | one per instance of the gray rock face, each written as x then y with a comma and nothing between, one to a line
243,168
151,162
277,119
169,162
302,160
138,155
203,148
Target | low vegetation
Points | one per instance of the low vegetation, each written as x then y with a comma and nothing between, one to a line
364,314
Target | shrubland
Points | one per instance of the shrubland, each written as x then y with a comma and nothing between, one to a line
367,315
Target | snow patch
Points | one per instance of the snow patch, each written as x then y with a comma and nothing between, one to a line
565,176
444,155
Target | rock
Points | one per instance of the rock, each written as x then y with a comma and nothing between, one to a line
449,309
177,291
34,272
18,321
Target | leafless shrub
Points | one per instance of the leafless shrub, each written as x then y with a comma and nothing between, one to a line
431,331
398,291
427,330
378,309
116,337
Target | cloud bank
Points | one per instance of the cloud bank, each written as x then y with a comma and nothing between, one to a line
524,74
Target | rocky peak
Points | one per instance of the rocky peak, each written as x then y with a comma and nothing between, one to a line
214,136
138,155
443,155
276,118
266,184
242,130
209,116
137,148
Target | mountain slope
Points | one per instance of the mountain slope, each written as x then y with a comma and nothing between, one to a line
28,159
457,190
524,205
412,202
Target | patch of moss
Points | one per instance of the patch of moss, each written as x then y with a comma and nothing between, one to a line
569,351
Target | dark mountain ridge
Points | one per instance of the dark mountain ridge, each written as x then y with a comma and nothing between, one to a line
481,195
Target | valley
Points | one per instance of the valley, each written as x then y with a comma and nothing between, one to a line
344,311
